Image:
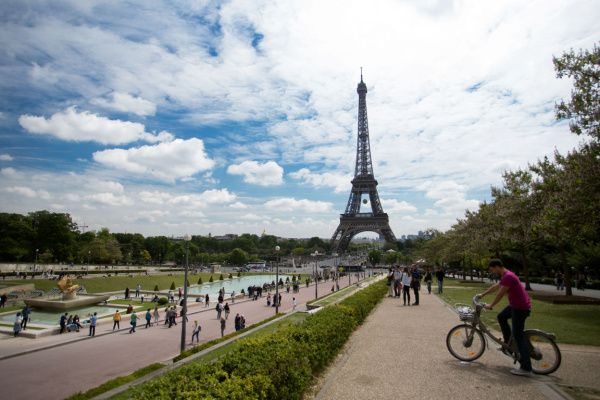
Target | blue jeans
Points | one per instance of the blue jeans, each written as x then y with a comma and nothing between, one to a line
518,326
440,286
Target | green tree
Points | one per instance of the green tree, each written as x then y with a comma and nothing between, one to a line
583,108
390,257
237,257
374,257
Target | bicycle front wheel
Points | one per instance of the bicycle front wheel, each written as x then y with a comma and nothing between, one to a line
465,342
545,354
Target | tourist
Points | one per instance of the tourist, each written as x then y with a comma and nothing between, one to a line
242,322
129,309
428,278
148,319
560,281
439,275
196,332
223,324
518,309
180,293
227,310
268,299
233,296
155,298
25,314
63,322
17,324
397,281
406,280
142,297
206,301
294,303
156,315
183,314
116,320
237,322
133,322
3,298
416,284
93,320
167,315
219,309
77,323
126,293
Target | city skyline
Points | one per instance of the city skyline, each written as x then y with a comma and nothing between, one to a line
237,118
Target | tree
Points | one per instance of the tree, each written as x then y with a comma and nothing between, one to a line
583,108
200,281
172,287
237,257
390,257
374,257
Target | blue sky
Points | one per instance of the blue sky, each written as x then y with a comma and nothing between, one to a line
230,117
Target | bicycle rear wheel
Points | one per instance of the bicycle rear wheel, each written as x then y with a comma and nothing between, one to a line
545,354
465,342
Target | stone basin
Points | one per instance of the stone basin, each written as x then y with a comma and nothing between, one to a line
60,305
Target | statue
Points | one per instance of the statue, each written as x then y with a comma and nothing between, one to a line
67,287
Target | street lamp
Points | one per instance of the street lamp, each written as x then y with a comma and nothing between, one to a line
277,248
315,254
35,262
187,239
89,254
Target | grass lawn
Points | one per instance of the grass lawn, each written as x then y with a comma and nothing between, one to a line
115,283
573,324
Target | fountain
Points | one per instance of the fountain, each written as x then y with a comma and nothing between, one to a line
69,297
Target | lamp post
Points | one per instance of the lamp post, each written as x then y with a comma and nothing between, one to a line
35,262
89,254
187,239
277,248
314,255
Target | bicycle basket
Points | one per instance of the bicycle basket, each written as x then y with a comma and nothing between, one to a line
465,313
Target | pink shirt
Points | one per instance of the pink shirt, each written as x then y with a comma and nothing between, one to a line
517,296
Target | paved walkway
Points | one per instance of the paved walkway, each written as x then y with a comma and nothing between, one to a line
58,372
400,352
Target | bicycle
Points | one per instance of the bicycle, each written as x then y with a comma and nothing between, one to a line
467,341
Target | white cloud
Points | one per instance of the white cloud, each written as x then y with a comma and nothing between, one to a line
238,205
9,172
6,157
267,174
165,161
339,182
289,204
449,196
71,125
395,206
251,217
110,199
125,102
28,192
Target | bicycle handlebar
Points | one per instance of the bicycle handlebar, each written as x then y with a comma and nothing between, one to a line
478,303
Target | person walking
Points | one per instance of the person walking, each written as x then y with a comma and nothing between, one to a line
3,299
169,317
439,275
156,315
148,319
294,303
116,320
227,310
518,309
406,280
17,324
126,293
232,296
416,284
138,287
63,323
133,322
428,278
390,282
93,320
223,324
237,322
397,281
268,299
196,332
219,309
25,315
206,301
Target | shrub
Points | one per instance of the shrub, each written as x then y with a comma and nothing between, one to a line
162,301
221,277
200,281
239,274
210,279
156,288
279,365
230,276
172,287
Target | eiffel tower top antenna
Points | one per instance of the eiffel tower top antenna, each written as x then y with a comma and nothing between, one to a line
361,74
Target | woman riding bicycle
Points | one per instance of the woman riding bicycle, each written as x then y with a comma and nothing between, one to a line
519,308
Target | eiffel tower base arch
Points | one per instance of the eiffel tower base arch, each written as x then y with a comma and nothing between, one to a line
350,226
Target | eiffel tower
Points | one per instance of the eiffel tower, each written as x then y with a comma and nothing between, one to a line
352,221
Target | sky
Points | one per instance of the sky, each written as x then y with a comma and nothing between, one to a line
169,118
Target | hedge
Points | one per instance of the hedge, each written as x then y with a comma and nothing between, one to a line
280,365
